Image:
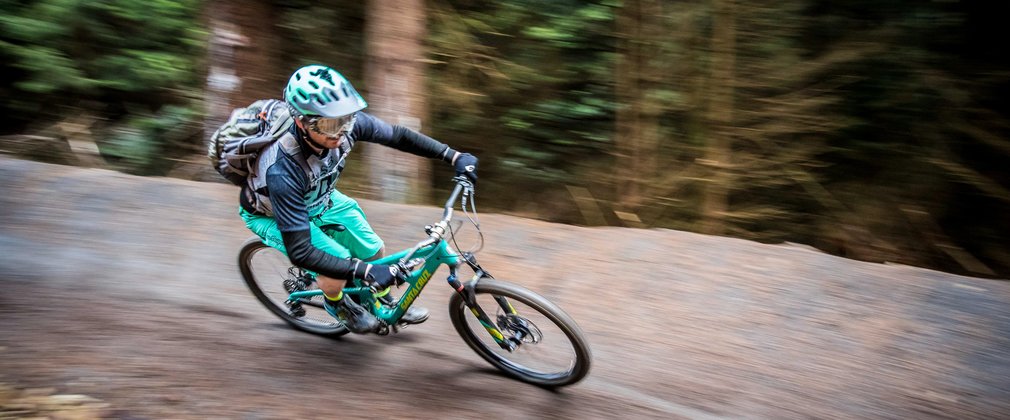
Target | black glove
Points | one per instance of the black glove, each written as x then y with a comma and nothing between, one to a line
383,276
466,164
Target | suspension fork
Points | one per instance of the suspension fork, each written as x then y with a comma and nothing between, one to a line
467,292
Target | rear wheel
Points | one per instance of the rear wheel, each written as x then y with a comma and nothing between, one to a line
271,278
551,349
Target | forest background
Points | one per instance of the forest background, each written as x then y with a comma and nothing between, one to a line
867,129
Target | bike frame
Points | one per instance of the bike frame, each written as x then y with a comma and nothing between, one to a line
417,279
435,252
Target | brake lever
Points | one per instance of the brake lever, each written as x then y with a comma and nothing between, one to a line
464,181
401,274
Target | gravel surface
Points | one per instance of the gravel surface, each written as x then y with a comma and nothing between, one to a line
121,299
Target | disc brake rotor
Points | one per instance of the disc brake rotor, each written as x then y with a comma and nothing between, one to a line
519,327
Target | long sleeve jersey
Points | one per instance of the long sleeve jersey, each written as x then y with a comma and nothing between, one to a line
292,183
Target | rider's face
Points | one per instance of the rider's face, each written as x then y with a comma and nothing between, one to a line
325,140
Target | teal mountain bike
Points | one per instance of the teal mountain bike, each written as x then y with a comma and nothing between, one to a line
513,328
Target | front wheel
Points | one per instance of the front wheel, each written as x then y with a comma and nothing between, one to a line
271,278
550,348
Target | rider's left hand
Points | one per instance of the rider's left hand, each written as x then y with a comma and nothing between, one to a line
383,276
466,164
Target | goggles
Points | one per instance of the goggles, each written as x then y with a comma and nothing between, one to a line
331,127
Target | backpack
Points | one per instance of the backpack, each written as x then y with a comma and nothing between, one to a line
233,148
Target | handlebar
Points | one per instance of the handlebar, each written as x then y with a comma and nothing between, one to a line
461,184
437,231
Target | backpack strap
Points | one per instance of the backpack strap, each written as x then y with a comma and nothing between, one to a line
268,111
281,125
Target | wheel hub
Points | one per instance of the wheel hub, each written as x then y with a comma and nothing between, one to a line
520,328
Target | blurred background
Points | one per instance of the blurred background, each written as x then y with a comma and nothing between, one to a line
870,130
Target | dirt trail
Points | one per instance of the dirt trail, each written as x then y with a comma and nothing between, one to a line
121,298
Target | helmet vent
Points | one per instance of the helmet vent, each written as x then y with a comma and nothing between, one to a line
320,90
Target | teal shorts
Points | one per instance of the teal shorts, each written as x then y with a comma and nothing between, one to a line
357,240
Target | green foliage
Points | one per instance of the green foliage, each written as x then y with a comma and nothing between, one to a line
934,127
141,142
130,57
527,82
324,32
873,130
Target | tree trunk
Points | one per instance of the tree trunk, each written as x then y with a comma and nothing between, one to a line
241,57
628,131
637,134
222,78
394,91
720,116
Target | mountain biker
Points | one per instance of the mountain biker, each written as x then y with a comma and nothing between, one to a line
292,204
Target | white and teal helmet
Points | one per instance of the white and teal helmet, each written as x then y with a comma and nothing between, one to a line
317,90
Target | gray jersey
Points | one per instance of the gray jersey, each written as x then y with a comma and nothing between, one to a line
292,183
